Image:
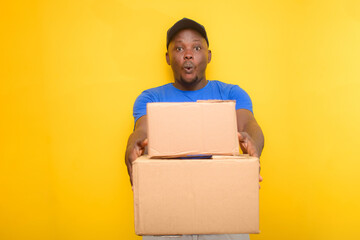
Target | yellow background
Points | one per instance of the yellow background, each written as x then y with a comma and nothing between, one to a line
71,70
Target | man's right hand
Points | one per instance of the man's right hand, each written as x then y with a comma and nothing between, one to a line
136,144
133,152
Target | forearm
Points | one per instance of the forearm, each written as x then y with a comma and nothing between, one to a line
247,123
136,136
255,132
139,133
136,145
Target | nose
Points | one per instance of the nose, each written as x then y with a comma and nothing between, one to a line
188,54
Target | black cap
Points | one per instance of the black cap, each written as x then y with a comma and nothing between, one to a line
185,23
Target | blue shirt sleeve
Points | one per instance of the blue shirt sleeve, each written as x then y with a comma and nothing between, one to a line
243,100
141,101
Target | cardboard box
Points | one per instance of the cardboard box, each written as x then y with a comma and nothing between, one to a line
206,127
212,196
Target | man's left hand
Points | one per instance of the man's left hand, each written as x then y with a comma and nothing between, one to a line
248,145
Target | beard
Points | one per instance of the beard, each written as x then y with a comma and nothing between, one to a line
189,84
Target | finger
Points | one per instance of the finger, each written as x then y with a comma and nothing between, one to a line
260,180
255,154
242,136
247,144
143,143
243,144
139,152
249,148
243,148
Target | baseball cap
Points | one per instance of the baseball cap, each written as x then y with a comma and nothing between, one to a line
185,23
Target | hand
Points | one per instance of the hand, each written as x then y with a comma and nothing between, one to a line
260,180
248,145
260,177
132,153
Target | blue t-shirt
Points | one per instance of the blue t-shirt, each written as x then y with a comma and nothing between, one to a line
214,90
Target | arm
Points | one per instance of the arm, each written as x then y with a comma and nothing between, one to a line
136,144
251,137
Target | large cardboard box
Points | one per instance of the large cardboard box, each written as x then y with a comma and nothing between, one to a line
192,128
212,196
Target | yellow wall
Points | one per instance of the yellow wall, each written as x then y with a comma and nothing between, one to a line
71,70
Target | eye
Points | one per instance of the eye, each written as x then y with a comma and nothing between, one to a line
197,48
179,49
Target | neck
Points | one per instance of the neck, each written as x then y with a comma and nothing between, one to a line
192,86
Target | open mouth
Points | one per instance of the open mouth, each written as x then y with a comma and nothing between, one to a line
188,67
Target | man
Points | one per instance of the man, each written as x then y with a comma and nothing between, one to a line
188,55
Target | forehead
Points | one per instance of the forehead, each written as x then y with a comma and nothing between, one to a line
188,35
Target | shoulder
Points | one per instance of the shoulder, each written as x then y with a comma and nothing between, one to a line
148,96
153,94
219,84
157,90
231,89
234,92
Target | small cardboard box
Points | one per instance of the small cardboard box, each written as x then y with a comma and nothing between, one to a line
212,196
192,128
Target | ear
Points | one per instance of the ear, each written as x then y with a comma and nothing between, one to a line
209,56
167,58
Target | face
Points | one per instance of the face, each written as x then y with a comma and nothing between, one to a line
188,56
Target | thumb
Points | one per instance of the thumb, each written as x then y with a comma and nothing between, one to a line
141,146
242,136
242,143
144,143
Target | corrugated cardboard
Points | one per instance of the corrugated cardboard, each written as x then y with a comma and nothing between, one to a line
212,196
206,127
